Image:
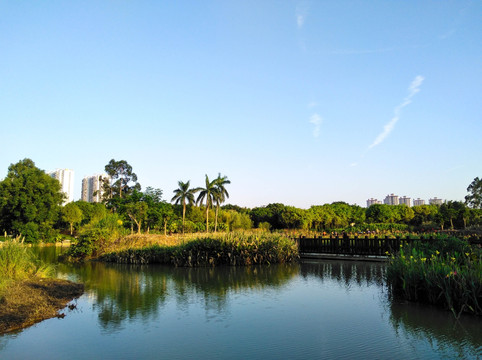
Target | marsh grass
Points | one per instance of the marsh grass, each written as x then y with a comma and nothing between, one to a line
238,248
447,273
17,262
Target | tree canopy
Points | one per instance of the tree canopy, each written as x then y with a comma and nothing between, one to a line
30,201
474,199
118,184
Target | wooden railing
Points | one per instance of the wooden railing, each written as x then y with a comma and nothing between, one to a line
357,246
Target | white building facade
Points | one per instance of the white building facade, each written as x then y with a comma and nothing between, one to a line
418,202
391,200
66,180
373,201
92,190
405,201
435,201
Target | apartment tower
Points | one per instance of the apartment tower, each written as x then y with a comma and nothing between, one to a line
66,180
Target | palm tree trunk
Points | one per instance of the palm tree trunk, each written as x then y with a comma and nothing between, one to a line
216,218
207,214
183,215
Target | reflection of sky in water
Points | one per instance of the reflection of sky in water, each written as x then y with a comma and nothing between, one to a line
313,310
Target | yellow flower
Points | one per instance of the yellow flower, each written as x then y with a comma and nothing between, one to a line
423,259
453,259
437,252
467,254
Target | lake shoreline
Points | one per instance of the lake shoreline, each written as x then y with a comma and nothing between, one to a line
33,300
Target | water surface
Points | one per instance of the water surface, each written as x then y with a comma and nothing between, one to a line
312,310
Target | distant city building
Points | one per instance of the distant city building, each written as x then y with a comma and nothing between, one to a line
66,180
391,199
417,202
373,201
404,200
92,188
435,201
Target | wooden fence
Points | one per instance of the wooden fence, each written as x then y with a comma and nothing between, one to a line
356,246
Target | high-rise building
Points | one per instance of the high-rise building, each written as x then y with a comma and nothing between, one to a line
92,190
373,201
391,199
435,201
66,179
405,200
417,202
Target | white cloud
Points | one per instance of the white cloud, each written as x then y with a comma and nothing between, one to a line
300,20
388,128
301,14
316,120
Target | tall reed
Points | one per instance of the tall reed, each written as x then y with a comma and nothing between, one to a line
447,273
17,262
225,249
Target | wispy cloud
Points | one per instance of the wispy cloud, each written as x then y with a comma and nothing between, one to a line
301,14
388,128
312,104
316,120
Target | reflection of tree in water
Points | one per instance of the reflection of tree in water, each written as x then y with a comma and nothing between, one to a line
213,285
124,292
346,272
450,337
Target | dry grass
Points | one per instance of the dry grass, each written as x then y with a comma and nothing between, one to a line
138,241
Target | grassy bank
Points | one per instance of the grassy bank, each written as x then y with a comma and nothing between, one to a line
212,250
447,273
27,295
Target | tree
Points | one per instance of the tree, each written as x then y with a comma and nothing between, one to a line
208,194
135,208
121,175
220,195
474,199
30,201
72,214
181,195
380,213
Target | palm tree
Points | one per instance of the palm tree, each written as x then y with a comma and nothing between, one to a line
220,195
181,195
207,193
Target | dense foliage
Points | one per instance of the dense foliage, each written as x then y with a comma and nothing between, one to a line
30,205
30,202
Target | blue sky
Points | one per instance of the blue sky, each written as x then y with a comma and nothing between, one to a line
299,102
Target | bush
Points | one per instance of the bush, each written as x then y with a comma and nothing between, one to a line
95,238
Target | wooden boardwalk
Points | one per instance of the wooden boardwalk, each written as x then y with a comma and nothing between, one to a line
355,248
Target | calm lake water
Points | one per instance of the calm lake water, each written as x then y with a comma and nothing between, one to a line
312,310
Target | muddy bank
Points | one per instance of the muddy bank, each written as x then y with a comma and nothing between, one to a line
30,301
